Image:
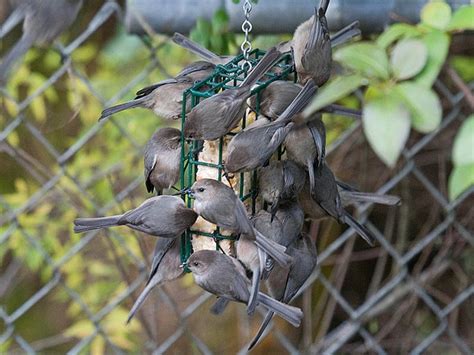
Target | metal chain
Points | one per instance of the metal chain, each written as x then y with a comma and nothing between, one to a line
246,46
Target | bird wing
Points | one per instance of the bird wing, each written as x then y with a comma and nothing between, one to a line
149,89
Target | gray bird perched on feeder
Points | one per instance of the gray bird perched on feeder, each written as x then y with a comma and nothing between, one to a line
218,204
283,284
253,147
219,275
326,195
349,196
166,266
279,182
217,115
165,98
44,21
312,50
160,216
162,159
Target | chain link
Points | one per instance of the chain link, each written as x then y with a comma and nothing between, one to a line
246,46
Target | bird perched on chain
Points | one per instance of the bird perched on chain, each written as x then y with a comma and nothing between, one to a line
160,216
199,50
162,159
219,275
165,98
348,196
280,181
166,266
253,147
217,115
43,22
284,284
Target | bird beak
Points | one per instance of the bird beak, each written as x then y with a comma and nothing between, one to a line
183,265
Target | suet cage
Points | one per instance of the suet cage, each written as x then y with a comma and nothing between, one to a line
225,77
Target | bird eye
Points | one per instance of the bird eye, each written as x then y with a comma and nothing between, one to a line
201,189
195,263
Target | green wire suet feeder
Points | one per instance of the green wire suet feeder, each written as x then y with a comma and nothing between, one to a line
224,77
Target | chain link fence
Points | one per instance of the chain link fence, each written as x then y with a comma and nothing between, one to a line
412,293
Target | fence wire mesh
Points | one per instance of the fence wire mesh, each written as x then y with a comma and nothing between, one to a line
410,294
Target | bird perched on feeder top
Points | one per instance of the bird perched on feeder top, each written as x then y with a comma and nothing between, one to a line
161,216
253,147
217,115
44,21
162,159
199,50
165,98
312,49
218,274
166,266
284,284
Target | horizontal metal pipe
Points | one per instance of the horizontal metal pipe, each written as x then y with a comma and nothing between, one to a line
271,16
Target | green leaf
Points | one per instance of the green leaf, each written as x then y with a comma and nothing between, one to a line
386,124
437,43
463,150
364,57
423,104
436,14
464,66
220,21
461,178
395,32
408,58
463,19
334,90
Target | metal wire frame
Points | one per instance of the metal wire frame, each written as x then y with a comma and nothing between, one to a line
385,296
224,77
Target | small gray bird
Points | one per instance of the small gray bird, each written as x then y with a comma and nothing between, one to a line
326,195
349,197
166,266
218,204
283,227
199,50
305,144
280,181
312,50
165,98
44,21
160,216
279,94
218,274
253,147
283,284
217,115
162,159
